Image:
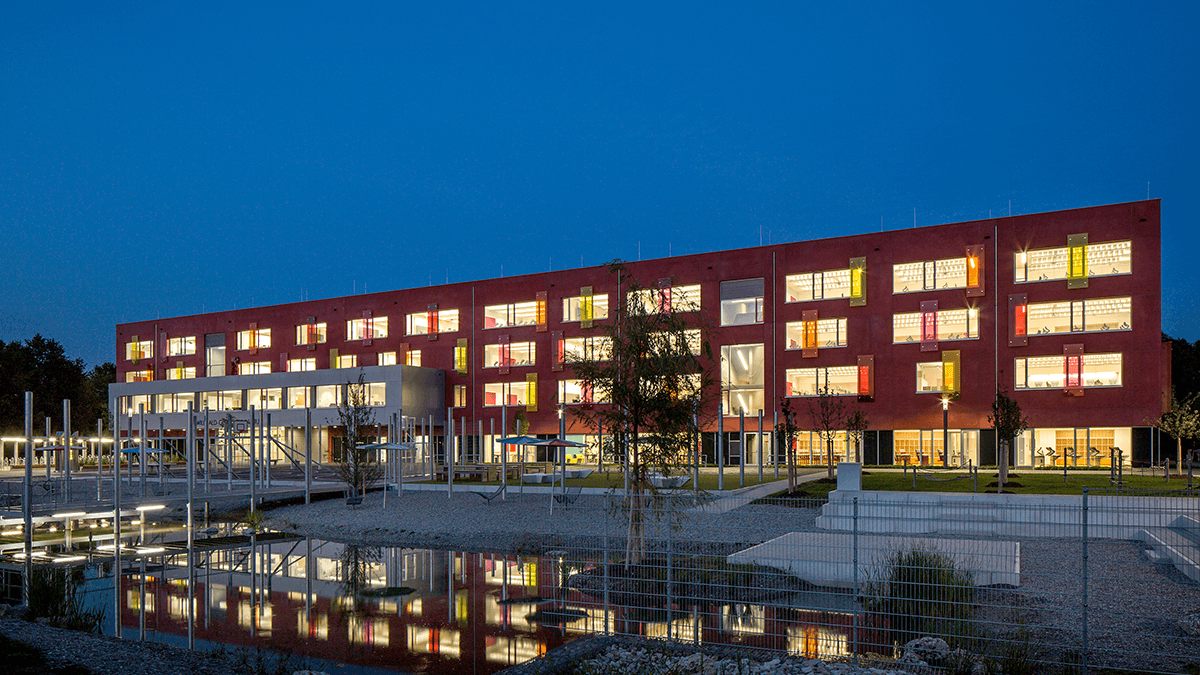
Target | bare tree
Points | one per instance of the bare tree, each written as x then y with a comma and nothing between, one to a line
1008,421
1181,420
358,468
786,433
652,368
856,428
827,411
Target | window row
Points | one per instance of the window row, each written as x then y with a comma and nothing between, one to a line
277,398
1069,371
1072,316
1077,260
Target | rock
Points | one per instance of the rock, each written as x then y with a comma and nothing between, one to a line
1190,623
931,650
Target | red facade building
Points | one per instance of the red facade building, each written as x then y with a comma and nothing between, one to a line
1060,309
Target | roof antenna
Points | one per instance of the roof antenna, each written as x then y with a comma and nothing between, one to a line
914,216
1147,189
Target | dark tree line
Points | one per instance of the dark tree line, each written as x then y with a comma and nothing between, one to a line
42,366
1185,366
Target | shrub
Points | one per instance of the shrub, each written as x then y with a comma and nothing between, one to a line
922,592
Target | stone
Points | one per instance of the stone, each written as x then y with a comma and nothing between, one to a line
931,650
1190,623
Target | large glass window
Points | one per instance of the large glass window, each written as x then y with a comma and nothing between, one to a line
311,333
385,359
930,377
506,393
181,373
575,309
573,391
173,403
214,354
830,333
668,299
826,285
1049,372
742,378
1074,316
840,380
513,314
1050,264
595,348
299,397
929,275
254,368
139,376
259,338
301,365
367,328
952,324
139,349
413,358
741,302
512,354
445,320
267,399
181,346
346,361
329,395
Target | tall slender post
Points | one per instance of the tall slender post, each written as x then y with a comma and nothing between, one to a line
449,452
66,456
720,446
207,452
562,452
267,438
741,447
253,481
945,432
100,455
189,455
27,498
308,455
504,453
117,519
761,445
142,447
696,445
1084,623
46,451
775,446
161,458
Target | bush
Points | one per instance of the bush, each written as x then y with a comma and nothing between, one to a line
922,592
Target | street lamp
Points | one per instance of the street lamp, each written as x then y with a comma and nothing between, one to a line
946,431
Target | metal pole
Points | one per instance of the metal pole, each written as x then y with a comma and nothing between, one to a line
66,456
142,447
856,605
27,498
160,453
761,446
46,452
308,455
100,455
741,447
696,445
253,482
207,452
504,452
720,446
267,450
945,433
117,520
775,446
189,454
1084,519
448,453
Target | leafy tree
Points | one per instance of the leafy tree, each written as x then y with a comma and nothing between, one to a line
1008,420
653,374
785,435
40,365
1182,420
827,411
358,468
856,427
1185,366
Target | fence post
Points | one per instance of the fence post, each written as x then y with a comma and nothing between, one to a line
854,637
604,556
670,541
1085,579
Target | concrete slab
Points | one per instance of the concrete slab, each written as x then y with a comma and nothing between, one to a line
826,558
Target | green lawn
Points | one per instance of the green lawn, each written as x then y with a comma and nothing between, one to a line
1027,482
614,480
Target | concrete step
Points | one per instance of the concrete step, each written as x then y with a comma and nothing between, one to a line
1187,524
1178,546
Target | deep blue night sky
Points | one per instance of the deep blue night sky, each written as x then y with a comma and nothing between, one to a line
159,160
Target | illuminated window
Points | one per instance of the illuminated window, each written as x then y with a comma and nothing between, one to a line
821,334
460,396
507,393
214,354
367,328
385,359
597,348
692,337
445,320
329,395
1079,316
311,333
952,324
413,357
254,368
929,275
573,392
346,361
741,302
139,376
267,399
461,356
1051,264
511,354
301,365
514,314
577,308
929,376
259,338
826,285
742,378
299,397
181,346
841,381
181,373
139,349
1050,372
667,298
940,376
375,393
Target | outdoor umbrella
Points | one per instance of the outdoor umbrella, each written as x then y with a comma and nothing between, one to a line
559,443
513,440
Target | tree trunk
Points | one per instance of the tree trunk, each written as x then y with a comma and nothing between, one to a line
1179,451
829,452
1003,472
791,467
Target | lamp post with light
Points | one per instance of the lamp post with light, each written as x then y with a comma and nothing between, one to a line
946,431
